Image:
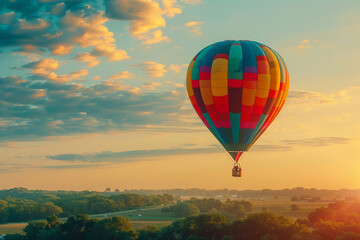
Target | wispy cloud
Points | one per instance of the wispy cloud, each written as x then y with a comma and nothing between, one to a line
192,2
304,44
176,68
46,68
299,97
194,27
129,156
123,75
156,38
88,58
154,69
320,141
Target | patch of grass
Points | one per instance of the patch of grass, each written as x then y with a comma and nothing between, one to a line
282,207
12,228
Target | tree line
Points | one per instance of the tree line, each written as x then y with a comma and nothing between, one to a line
21,210
232,209
338,221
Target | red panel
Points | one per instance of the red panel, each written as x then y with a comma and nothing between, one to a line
282,86
250,76
258,109
273,93
198,111
263,67
235,83
195,83
221,55
244,124
261,58
205,76
221,99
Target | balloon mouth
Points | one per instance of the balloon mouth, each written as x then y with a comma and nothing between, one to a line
236,155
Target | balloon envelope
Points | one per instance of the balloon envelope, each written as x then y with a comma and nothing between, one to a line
237,88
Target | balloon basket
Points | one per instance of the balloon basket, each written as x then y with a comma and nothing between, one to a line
236,171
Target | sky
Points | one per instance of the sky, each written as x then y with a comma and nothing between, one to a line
92,94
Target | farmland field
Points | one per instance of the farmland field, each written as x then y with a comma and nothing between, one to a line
143,217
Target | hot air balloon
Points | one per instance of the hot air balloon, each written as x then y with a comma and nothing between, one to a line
237,88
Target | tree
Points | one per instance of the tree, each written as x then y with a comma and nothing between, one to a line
52,222
76,227
186,209
151,232
294,198
33,229
115,228
260,224
294,207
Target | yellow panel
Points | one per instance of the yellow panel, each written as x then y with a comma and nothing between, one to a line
215,76
263,81
219,65
188,79
274,69
219,92
219,77
262,93
248,97
219,83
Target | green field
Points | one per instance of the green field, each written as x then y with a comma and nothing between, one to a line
143,217
282,207
147,216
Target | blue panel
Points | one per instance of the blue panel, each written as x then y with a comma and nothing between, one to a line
196,67
249,57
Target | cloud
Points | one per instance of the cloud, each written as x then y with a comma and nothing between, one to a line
194,27
145,15
143,155
304,44
94,34
176,68
297,97
62,49
192,2
154,69
7,18
46,68
37,109
129,156
151,85
43,67
156,38
171,8
123,75
271,148
58,28
320,141
86,57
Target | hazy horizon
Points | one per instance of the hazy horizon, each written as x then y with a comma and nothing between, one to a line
92,95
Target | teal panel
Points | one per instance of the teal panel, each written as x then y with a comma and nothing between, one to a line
235,126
